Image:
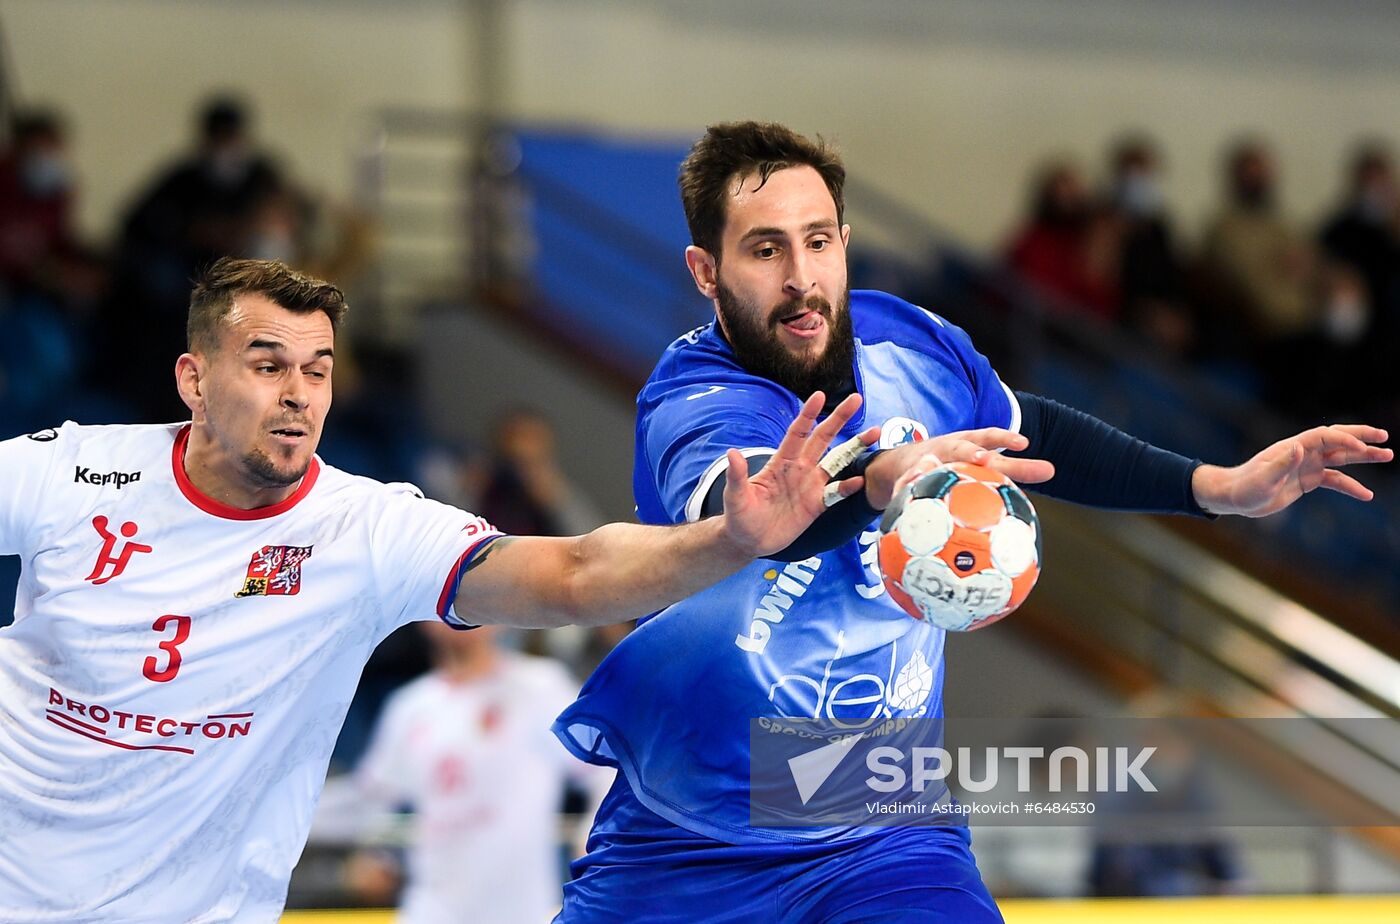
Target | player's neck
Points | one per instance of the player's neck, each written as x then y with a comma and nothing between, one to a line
217,477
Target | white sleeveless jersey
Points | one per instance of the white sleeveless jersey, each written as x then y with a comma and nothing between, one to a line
178,670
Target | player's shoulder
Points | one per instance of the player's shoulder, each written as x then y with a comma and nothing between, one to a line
332,480
700,355
880,316
101,453
71,433
699,374
392,511
368,495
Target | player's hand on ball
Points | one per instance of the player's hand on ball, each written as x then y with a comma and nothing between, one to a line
766,512
1290,468
895,468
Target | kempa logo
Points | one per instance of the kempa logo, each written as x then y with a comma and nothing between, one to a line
83,475
1112,768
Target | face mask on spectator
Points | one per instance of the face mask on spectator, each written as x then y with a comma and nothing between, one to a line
1254,194
229,165
1346,317
45,175
1377,203
268,245
1139,194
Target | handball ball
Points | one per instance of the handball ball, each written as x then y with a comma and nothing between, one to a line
960,547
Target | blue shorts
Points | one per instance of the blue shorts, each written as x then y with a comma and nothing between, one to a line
641,868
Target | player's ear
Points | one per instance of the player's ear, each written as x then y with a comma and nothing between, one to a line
189,374
703,270
845,237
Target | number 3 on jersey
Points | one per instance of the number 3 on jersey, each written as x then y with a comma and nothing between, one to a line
170,646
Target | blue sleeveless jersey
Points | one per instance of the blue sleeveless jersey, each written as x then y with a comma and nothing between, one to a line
671,705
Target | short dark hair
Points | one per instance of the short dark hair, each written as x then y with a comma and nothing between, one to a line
221,117
1134,150
1368,157
27,125
216,288
737,149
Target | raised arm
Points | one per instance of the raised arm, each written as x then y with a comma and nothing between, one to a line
621,571
1290,468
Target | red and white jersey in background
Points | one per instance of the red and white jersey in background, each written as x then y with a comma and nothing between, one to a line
178,670
485,775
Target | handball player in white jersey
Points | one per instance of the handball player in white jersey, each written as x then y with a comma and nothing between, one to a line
198,599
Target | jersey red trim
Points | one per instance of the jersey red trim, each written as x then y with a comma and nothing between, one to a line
219,509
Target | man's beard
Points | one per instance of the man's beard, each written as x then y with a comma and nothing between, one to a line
753,336
263,472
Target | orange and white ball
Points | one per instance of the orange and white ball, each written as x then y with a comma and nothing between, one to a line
960,547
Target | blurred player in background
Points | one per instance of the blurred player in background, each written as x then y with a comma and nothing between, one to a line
197,601
819,637
468,747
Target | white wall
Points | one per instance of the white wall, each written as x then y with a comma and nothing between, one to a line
131,73
948,103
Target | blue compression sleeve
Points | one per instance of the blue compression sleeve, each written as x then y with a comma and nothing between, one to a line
1100,465
840,524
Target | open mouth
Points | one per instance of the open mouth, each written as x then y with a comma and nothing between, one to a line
292,433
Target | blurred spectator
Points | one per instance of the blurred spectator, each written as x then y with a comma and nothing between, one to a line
39,361
36,202
197,210
225,198
1069,247
526,493
398,660
1159,846
469,748
1272,293
40,254
1364,235
1365,231
35,198
1265,268
319,238
1161,843
1151,276
47,280
1193,867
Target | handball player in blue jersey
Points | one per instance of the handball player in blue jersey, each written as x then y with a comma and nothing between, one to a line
810,632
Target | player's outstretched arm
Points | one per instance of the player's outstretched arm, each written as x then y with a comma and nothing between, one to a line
1290,468
621,571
